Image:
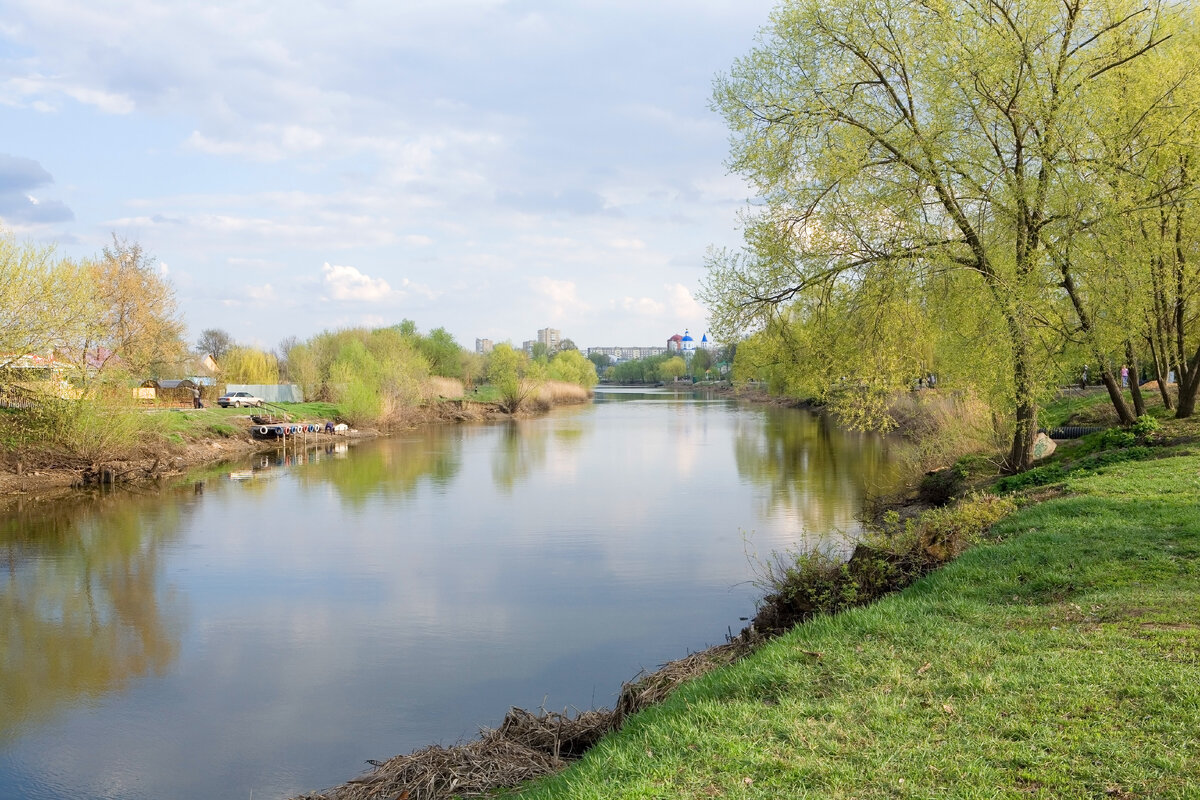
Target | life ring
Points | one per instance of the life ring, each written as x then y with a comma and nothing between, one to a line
262,431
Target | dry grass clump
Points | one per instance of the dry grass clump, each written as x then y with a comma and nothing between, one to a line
525,746
649,690
449,388
944,425
558,393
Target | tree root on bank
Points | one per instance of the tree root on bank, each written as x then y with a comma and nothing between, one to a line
526,745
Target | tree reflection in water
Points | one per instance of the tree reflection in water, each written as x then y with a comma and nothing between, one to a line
81,607
393,468
813,471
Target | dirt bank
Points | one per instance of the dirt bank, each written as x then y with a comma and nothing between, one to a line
167,460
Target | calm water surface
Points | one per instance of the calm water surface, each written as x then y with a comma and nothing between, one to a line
263,631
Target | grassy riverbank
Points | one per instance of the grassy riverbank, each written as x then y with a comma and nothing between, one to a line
1059,659
58,445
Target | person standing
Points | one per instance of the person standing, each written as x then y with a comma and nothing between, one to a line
196,398
1083,378
1124,375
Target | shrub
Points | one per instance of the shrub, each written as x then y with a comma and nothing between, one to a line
801,584
940,486
1038,476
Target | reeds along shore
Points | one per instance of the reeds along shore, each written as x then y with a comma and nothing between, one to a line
526,745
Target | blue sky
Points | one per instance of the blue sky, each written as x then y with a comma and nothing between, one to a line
488,166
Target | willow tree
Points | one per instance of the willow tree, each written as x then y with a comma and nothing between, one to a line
1128,266
889,135
44,300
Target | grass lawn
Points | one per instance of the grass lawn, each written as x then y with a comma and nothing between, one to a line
199,422
1060,660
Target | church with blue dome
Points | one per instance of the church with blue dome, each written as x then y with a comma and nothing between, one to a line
685,345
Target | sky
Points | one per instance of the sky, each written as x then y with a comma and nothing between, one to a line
491,167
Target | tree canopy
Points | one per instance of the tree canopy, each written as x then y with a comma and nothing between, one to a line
926,172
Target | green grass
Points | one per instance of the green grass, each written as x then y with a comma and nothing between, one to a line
485,393
1094,407
224,421
1059,660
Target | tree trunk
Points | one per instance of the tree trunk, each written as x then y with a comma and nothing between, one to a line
1118,398
1188,387
1020,455
1160,376
1135,372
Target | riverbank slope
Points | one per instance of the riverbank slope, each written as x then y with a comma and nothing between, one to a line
1059,659
201,437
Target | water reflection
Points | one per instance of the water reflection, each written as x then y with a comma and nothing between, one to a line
354,601
525,446
83,612
813,472
388,472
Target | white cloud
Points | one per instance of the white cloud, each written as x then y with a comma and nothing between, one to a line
563,297
643,306
262,294
38,90
683,306
347,283
107,102
627,244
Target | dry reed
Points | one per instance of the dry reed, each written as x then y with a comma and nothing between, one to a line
944,425
557,393
449,388
526,745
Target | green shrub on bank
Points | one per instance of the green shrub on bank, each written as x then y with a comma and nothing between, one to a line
73,432
801,584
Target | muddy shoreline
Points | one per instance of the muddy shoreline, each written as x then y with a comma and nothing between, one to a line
157,465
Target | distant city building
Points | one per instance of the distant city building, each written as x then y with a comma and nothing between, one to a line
675,344
527,346
550,337
627,353
483,346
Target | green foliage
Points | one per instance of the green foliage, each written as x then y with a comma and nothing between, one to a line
1116,437
571,366
444,355
801,584
894,239
80,432
249,365
674,367
601,360
1091,464
372,374
1147,428
638,370
505,371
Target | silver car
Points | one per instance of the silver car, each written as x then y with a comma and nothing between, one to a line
239,399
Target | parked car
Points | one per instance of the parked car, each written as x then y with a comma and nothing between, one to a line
239,399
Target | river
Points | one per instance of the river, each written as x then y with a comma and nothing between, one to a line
264,629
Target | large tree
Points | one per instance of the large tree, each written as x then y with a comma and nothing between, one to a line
214,342
43,300
135,324
894,143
